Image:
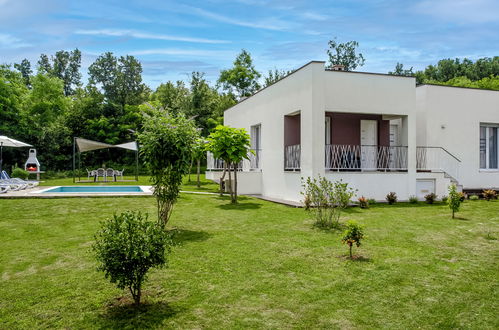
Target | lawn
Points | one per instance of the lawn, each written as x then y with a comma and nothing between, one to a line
205,185
255,265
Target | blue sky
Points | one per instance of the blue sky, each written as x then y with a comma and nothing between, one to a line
172,39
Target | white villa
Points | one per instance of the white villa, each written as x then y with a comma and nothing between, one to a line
380,133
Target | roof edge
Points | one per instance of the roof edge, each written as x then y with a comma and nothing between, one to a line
475,88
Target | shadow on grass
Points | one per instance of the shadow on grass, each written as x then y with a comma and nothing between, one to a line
355,258
460,218
147,315
240,206
180,235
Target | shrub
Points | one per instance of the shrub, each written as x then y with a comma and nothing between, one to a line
413,199
454,199
353,235
127,246
462,196
474,197
372,201
430,198
363,203
20,173
489,194
444,199
391,198
326,200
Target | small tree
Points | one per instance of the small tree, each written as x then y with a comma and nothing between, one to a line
127,246
344,54
166,147
198,153
232,146
326,200
454,199
353,235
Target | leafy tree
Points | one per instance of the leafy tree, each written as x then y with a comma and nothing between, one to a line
400,71
354,234
232,146
65,66
275,75
173,97
120,79
454,199
344,54
242,79
203,102
25,69
166,148
127,246
12,97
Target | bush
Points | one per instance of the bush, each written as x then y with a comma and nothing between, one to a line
326,200
391,198
430,198
372,201
363,203
474,197
20,173
127,246
413,199
489,194
353,235
454,199
444,199
462,196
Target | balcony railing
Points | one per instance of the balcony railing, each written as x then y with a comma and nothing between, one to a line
292,156
253,163
342,157
437,159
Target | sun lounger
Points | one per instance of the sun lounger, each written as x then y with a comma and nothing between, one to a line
4,188
26,183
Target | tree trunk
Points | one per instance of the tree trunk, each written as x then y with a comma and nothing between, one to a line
350,251
136,293
235,184
198,172
452,214
222,180
190,169
230,182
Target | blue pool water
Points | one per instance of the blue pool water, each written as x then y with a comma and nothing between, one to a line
95,189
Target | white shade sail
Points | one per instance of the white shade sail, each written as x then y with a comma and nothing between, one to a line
89,145
9,142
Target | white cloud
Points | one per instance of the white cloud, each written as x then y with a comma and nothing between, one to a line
9,41
183,52
143,35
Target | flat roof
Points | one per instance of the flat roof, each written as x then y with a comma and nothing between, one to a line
475,88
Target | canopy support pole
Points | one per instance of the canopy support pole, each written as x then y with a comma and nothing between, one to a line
1,156
137,165
74,160
79,166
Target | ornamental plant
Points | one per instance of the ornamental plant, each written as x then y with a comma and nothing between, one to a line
127,246
430,198
354,234
232,145
363,203
454,199
489,194
166,143
413,199
325,200
391,198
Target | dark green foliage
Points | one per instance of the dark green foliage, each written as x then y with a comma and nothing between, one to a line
19,173
167,143
274,76
413,200
242,79
345,54
65,66
391,198
430,198
400,71
354,234
127,246
25,69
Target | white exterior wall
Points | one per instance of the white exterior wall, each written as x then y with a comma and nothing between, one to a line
450,117
313,91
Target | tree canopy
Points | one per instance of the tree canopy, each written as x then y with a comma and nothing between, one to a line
345,54
242,79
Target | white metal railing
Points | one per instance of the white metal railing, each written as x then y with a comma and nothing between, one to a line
292,157
365,157
437,159
253,163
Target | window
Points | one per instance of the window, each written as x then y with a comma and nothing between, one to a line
489,146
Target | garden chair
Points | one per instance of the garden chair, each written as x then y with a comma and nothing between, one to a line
100,172
119,173
110,173
90,174
28,183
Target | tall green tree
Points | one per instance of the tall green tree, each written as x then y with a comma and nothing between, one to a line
25,69
119,78
242,79
173,97
203,102
65,66
345,54
400,71
274,76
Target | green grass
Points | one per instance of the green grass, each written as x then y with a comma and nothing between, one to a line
255,265
205,185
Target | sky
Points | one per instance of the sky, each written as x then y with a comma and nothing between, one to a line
174,38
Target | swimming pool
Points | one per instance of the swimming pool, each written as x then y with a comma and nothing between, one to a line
95,189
